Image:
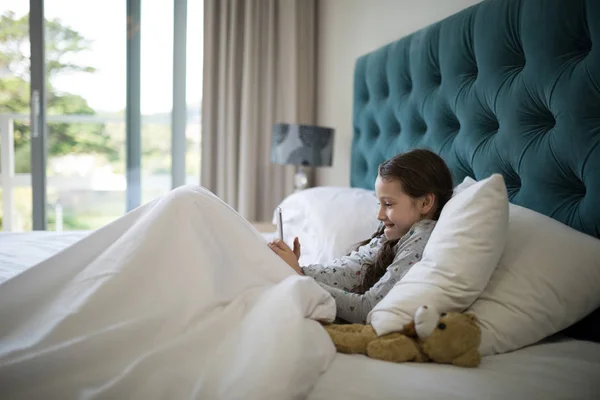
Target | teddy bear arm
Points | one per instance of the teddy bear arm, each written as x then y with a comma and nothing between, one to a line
470,359
345,327
351,339
395,348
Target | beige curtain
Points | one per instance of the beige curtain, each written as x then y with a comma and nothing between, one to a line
259,69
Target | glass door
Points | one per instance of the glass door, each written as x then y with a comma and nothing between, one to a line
15,128
85,67
101,119
62,120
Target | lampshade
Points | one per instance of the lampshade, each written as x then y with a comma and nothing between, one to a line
306,145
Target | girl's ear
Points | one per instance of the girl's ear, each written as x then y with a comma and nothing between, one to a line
427,203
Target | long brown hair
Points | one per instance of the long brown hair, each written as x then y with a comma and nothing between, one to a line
420,172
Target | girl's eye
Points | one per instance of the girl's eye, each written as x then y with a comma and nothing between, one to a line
388,205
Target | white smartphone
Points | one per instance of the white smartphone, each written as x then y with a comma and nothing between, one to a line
279,224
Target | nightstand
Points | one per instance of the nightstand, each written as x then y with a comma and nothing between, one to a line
264,227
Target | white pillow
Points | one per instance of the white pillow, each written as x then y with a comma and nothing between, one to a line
328,221
458,260
547,279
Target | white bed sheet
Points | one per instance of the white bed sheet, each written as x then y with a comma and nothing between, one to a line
19,251
559,368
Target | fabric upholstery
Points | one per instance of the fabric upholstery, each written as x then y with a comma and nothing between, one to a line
507,86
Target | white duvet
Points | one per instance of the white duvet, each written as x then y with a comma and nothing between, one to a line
180,298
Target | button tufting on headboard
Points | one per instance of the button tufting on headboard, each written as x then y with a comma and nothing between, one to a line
584,42
492,124
385,90
373,130
395,126
418,124
579,188
504,86
512,181
453,123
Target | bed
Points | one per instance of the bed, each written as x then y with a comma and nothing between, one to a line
21,250
505,86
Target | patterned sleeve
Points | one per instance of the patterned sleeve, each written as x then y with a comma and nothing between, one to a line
345,272
354,307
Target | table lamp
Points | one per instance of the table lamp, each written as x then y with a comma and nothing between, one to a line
302,146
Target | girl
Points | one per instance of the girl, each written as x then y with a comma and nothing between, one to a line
412,189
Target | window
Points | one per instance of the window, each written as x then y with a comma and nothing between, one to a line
86,170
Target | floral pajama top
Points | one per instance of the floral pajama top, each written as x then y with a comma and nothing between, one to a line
341,275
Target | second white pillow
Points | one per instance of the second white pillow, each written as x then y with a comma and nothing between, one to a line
328,221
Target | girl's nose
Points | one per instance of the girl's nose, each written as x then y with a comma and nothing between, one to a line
381,215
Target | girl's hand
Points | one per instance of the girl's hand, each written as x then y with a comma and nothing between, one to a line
288,255
297,248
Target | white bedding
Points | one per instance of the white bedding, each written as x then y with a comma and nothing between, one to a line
19,251
179,299
561,369
556,369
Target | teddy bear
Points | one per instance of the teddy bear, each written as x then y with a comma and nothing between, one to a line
446,338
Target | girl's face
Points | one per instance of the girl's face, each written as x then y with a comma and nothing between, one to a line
397,210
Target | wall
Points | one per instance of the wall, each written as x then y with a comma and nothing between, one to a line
347,30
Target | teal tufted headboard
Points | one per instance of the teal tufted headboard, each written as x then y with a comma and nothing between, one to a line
508,86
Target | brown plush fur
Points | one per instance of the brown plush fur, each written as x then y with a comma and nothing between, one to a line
455,340
457,344
351,339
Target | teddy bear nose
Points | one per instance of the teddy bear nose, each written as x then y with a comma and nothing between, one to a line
425,307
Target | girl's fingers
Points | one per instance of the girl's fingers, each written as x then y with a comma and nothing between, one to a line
297,247
275,248
279,248
282,245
